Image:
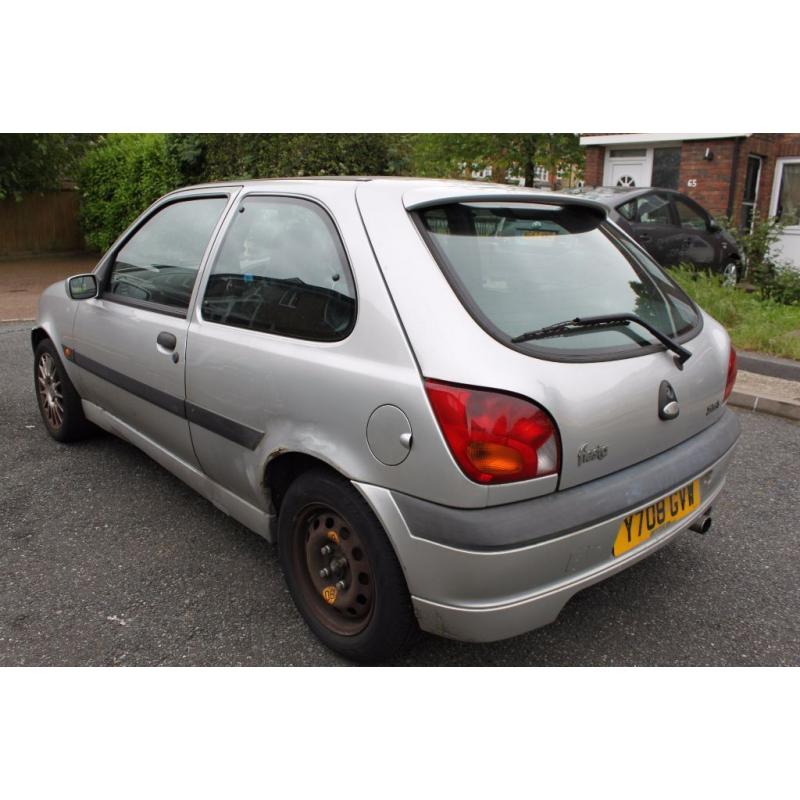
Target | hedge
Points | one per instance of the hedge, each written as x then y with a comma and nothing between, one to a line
120,176
123,173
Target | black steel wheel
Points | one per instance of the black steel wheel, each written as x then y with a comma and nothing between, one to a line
341,569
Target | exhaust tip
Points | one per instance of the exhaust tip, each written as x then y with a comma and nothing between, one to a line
702,525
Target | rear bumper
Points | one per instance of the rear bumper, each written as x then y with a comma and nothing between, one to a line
469,586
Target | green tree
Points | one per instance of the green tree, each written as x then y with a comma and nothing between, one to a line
38,161
508,154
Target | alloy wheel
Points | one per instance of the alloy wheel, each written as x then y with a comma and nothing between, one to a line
730,274
50,391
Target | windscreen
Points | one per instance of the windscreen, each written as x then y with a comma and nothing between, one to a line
522,266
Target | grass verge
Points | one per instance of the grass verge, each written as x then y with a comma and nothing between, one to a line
752,322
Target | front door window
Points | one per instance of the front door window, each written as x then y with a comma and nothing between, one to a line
158,265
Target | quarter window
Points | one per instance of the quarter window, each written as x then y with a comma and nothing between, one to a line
690,217
282,269
159,263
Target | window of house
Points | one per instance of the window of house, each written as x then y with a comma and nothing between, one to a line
282,269
159,263
638,153
690,217
788,210
666,167
750,191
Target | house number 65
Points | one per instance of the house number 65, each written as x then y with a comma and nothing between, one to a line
691,183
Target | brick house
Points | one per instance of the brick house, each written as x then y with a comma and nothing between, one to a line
740,175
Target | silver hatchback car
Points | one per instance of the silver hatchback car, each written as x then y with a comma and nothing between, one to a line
452,405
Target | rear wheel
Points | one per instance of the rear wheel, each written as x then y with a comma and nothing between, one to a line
341,570
59,402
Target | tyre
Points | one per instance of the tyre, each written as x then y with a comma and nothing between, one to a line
59,403
730,274
341,570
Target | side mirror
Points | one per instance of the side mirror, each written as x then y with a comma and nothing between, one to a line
82,287
714,226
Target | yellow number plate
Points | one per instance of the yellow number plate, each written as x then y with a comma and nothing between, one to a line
639,527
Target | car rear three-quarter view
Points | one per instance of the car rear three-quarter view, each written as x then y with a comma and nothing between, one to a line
451,405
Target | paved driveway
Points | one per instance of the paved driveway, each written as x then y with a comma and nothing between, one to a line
23,280
105,558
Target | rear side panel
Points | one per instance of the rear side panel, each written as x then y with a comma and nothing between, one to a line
316,397
613,404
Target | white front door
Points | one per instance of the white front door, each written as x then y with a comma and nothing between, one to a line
786,206
628,167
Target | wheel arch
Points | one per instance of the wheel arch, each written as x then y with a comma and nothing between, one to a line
284,467
38,335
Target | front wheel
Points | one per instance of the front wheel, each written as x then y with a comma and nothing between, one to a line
730,274
341,570
59,402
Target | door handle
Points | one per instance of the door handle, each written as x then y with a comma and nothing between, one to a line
167,340
644,237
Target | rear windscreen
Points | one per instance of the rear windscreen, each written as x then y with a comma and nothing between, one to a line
521,266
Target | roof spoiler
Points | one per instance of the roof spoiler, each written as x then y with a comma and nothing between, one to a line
414,201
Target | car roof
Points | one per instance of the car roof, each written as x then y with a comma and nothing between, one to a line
412,192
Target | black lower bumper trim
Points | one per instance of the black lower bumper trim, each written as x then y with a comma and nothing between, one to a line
531,521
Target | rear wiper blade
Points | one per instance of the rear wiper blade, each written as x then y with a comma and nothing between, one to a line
600,322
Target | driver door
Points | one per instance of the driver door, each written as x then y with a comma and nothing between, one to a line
130,341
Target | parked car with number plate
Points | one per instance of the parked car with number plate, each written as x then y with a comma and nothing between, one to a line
452,405
672,227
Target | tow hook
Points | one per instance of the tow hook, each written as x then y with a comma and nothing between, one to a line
702,525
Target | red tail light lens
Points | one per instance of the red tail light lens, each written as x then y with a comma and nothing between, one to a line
731,379
495,437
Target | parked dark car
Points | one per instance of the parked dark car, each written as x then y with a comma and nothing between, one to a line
671,227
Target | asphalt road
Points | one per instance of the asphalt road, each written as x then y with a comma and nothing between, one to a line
107,559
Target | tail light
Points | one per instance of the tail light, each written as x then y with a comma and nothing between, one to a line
731,379
495,437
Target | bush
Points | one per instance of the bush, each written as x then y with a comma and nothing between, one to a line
754,321
756,247
120,176
782,285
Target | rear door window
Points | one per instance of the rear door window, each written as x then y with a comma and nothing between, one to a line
282,269
522,266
